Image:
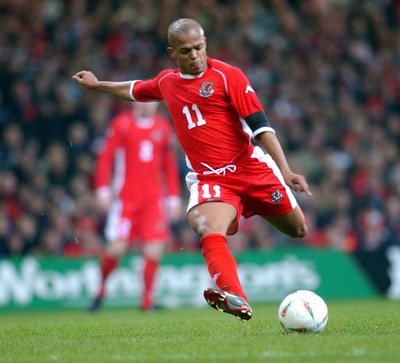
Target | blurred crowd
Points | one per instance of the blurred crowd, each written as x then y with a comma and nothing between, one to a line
327,72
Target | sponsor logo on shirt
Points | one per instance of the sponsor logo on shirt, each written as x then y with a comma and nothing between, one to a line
206,89
276,196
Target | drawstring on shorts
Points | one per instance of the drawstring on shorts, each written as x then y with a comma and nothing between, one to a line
219,171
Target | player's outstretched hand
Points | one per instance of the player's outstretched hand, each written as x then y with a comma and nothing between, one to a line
86,79
298,183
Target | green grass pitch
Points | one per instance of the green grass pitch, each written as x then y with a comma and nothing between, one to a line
357,331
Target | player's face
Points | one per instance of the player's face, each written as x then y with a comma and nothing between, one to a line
189,52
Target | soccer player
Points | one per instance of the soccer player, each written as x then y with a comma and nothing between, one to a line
216,113
137,184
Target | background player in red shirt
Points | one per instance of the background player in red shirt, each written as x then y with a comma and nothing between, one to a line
216,114
136,182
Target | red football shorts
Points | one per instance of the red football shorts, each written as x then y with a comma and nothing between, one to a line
130,221
254,186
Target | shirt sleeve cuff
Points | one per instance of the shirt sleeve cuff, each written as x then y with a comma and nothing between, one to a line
261,130
131,91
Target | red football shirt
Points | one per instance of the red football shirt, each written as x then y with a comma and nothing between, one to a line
208,111
138,162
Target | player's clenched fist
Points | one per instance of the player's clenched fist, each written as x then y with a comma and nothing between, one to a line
86,79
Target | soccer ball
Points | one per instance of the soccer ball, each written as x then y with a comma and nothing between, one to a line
303,311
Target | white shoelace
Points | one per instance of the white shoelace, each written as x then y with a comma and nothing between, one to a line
219,171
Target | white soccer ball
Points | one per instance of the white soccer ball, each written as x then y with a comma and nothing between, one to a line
303,311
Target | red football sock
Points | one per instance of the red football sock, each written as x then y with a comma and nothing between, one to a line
149,272
221,263
108,265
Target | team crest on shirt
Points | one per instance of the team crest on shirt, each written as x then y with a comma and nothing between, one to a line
276,196
206,89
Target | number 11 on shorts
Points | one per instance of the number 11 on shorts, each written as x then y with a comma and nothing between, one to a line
216,189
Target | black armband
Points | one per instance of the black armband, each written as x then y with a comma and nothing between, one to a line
258,123
257,120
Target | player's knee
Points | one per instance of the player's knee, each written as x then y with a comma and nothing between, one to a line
117,248
299,231
215,217
207,228
203,226
154,249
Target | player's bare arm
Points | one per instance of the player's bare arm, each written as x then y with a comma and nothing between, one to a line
118,89
271,144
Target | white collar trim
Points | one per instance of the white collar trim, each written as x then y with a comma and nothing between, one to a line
191,76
